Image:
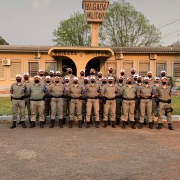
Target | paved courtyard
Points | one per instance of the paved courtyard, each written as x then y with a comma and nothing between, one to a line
89,154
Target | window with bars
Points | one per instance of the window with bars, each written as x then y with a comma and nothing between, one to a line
143,68
33,68
159,67
177,69
50,66
127,65
1,70
16,68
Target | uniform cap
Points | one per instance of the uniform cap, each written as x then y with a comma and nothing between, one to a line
86,78
163,71
58,72
149,72
121,77
18,75
139,77
104,78
51,71
110,68
36,77
67,78
41,70
136,75
157,78
110,78
146,78
69,69
122,70
82,70
129,78
26,74
164,78
133,69
75,78
92,77
99,72
48,77
57,77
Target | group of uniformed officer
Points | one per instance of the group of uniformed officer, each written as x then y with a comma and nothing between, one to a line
108,98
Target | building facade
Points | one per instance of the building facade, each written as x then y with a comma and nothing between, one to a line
19,59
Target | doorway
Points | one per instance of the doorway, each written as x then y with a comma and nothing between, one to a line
95,64
68,63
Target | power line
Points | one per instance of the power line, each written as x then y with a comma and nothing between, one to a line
168,24
168,21
171,36
171,33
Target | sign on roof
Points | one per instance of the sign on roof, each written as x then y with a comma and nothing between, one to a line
95,10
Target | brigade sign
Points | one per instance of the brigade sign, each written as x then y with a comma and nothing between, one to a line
95,11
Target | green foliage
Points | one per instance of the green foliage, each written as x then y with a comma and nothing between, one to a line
172,81
3,42
124,26
73,32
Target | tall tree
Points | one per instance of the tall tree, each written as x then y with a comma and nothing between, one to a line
73,32
3,42
125,26
177,43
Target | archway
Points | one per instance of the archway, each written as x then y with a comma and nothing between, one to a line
93,63
68,63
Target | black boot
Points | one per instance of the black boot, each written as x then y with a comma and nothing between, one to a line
91,122
70,124
23,124
41,124
97,124
117,121
44,121
145,122
124,124
87,125
13,125
133,126
79,124
113,124
52,123
61,123
32,124
82,120
105,124
170,126
109,122
136,120
20,122
151,125
64,120
140,126
153,122
159,126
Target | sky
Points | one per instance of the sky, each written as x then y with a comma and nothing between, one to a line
31,22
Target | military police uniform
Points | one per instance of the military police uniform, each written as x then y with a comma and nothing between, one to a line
110,74
42,78
18,90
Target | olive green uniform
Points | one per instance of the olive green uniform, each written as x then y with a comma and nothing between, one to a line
92,101
57,100
17,91
145,94
76,102
164,95
109,92
37,104
128,104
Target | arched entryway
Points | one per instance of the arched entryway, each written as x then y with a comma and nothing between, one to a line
93,63
68,63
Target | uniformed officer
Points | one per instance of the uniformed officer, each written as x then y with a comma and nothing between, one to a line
27,82
109,93
41,76
111,74
99,79
18,90
122,74
92,90
101,103
133,72
163,93
47,98
163,74
70,75
92,73
66,100
58,73
75,92
51,74
137,100
61,79
81,77
151,79
119,100
135,78
57,90
155,101
37,104
128,93
145,93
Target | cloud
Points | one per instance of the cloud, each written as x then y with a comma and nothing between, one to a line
36,4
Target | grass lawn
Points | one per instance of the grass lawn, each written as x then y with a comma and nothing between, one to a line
5,105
